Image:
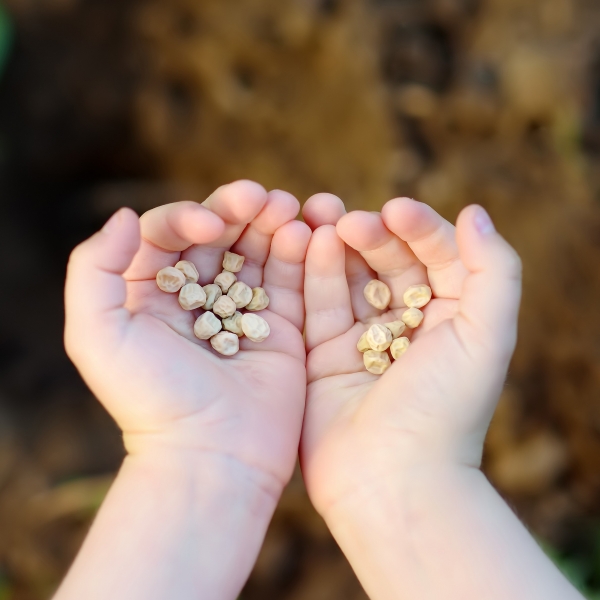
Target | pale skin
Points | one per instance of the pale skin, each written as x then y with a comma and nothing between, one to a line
391,462
211,441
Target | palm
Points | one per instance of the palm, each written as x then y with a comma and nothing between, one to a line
163,385
356,418
245,405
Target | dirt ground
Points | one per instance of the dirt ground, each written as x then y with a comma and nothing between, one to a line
128,102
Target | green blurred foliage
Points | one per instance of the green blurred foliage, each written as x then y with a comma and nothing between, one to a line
6,40
581,569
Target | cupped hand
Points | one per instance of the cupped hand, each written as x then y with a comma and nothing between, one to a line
435,403
134,345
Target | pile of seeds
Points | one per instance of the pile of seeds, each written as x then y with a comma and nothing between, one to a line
378,339
222,302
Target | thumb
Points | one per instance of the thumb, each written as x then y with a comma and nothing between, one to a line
95,290
491,294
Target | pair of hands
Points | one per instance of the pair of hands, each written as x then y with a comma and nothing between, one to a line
170,393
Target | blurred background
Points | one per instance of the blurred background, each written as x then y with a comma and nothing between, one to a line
105,103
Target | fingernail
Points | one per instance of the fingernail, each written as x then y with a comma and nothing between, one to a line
483,223
112,223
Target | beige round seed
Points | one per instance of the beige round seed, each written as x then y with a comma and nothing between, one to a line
255,327
213,293
189,270
224,307
234,324
379,337
396,327
259,301
225,343
376,362
377,294
225,280
399,347
362,344
233,262
240,293
191,296
206,326
417,296
412,317
170,280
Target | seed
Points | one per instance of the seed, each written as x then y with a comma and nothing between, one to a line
213,292
417,296
241,294
363,345
224,307
234,323
396,327
233,262
206,326
225,280
225,343
412,317
170,279
191,296
376,362
377,294
259,301
399,347
379,337
255,327
189,270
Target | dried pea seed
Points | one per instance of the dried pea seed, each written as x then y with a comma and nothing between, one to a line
213,293
396,327
379,337
225,280
417,296
233,262
376,362
412,317
399,347
189,270
170,280
224,307
363,345
206,326
255,327
191,296
240,293
377,294
259,301
225,343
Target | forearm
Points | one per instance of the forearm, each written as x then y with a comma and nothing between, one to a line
173,528
444,534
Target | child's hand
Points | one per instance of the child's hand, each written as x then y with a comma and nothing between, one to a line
434,404
134,345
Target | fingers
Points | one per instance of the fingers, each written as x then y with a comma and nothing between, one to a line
433,241
284,272
327,209
323,209
326,292
489,305
393,261
95,290
236,204
255,242
166,231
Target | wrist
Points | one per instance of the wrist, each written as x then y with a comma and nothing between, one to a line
403,492
187,522
205,475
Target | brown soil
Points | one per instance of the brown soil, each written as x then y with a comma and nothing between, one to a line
112,102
